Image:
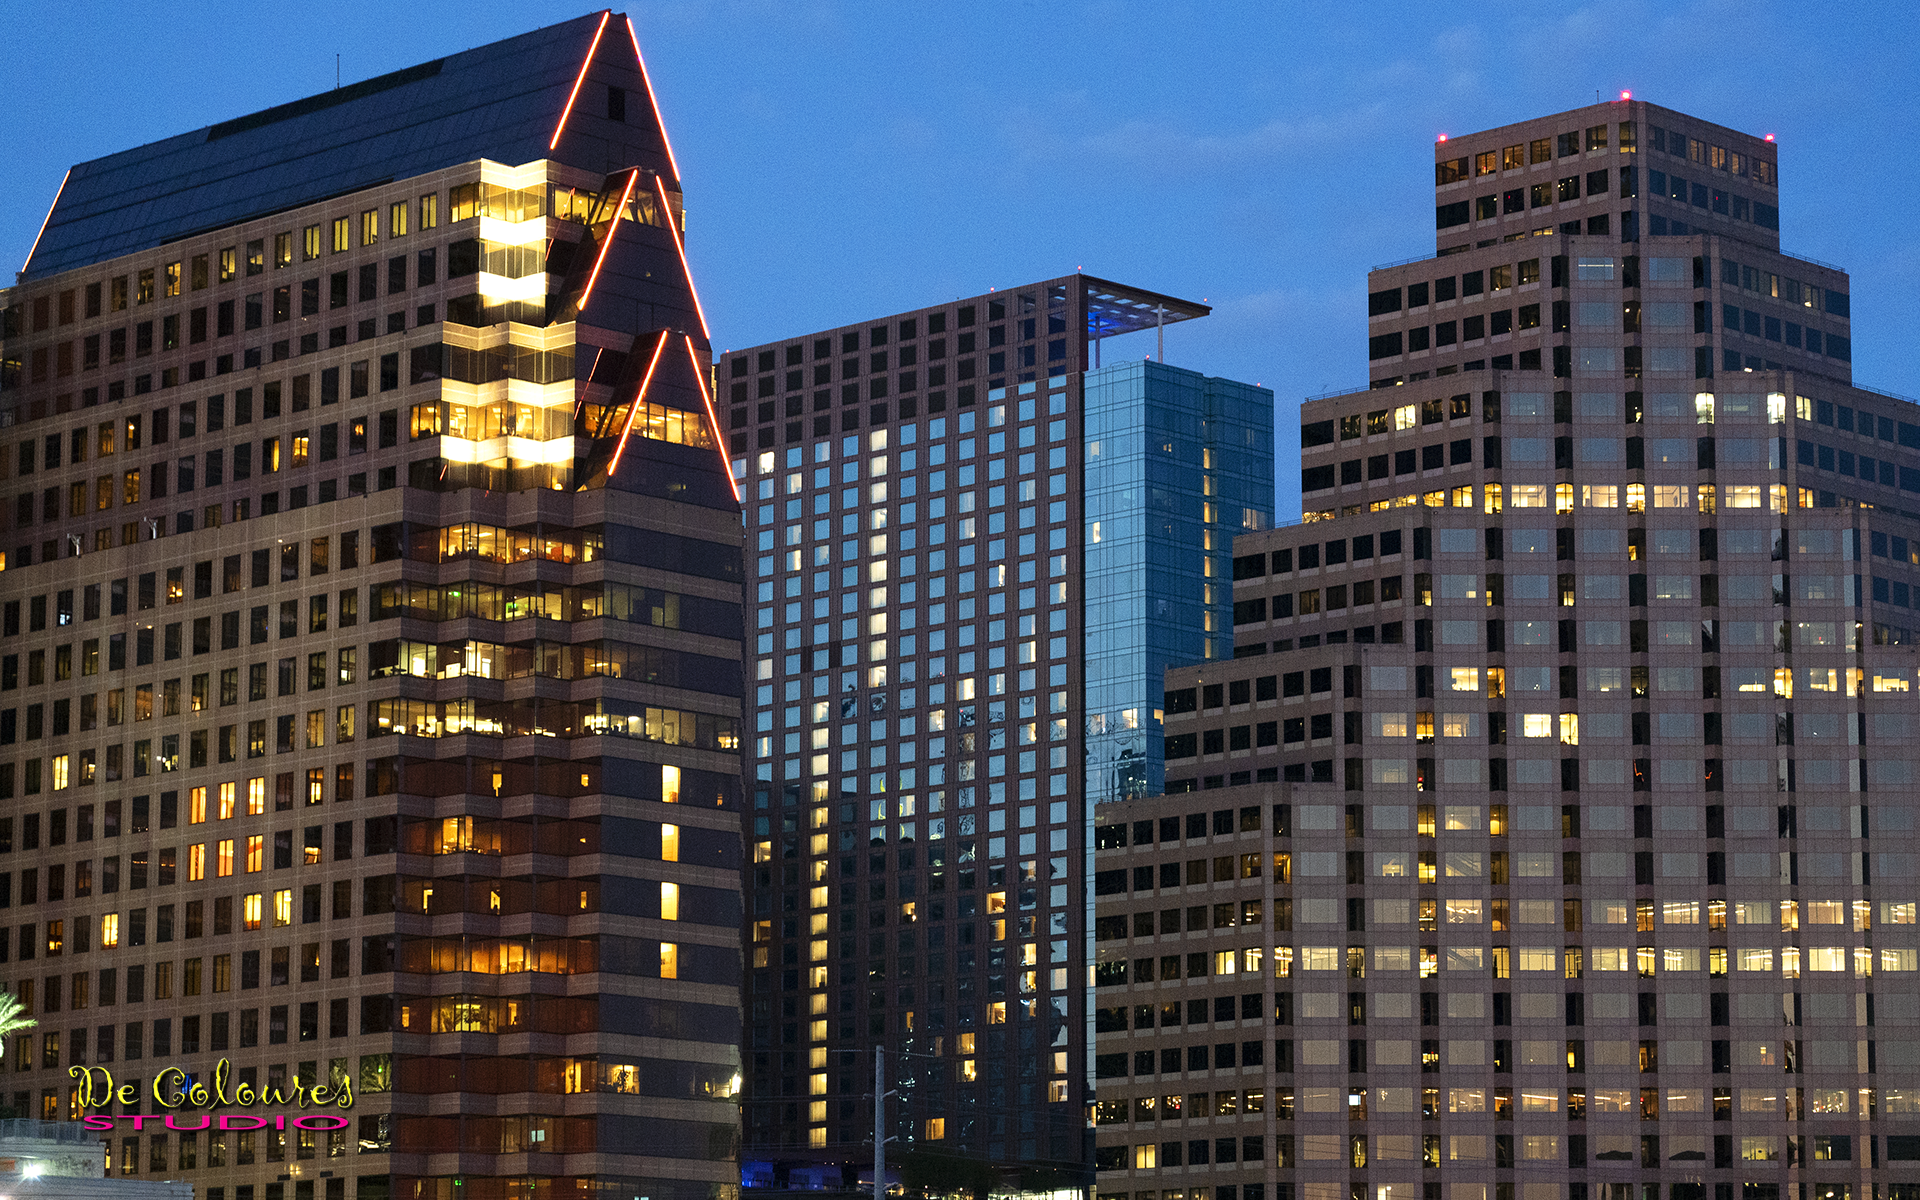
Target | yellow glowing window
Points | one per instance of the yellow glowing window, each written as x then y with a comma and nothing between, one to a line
670,784
669,843
110,930
1464,679
223,855
669,902
197,862
256,853
283,907
196,806
256,795
251,910
669,960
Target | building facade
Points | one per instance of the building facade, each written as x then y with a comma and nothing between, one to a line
947,505
369,699
1548,835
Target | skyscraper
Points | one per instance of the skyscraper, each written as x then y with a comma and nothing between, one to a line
962,524
369,701
1547,835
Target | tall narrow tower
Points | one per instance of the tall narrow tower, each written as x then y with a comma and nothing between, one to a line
974,552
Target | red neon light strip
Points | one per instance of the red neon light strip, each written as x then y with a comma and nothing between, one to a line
578,80
648,80
666,210
48,220
606,243
713,419
638,400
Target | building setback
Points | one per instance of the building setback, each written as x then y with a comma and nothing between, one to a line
1549,833
975,550
369,696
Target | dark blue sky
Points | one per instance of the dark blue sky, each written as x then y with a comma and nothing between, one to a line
846,160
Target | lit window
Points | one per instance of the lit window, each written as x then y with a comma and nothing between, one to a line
256,795
369,227
223,858
251,910
669,902
197,862
256,853
669,843
110,930
283,907
197,806
669,960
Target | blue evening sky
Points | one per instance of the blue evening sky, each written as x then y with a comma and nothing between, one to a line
849,159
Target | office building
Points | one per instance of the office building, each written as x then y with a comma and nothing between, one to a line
1549,834
369,696
962,524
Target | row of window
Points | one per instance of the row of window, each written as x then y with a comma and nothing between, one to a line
1570,144
224,320
1544,194
1521,155
318,554
1566,453
1472,283
165,282
1715,199
906,330
81,498
127,434
220,320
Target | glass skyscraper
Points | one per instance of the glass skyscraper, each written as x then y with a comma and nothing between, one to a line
959,533
1175,464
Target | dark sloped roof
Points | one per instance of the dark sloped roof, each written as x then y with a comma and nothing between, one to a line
500,102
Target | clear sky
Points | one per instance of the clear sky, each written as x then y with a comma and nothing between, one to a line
850,159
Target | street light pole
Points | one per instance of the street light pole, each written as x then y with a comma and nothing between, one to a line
879,1124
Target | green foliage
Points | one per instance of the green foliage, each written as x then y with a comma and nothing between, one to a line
13,1016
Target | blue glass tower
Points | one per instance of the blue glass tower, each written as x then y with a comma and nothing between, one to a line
1177,463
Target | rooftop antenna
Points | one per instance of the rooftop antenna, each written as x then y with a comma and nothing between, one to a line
336,72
